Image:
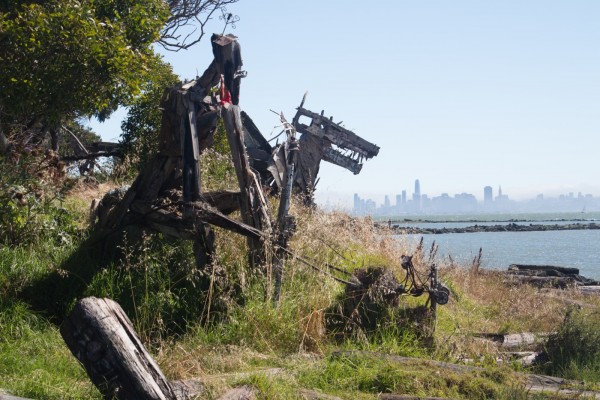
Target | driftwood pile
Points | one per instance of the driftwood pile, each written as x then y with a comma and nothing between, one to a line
550,276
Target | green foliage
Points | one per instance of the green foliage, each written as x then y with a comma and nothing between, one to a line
573,352
142,125
160,288
31,190
63,59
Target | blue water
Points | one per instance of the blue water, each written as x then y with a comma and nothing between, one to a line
452,224
576,248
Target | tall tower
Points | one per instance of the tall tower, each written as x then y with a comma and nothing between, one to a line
488,195
417,196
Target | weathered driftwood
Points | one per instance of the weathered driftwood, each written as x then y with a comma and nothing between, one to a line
317,140
188,125
226,201
525,358
239,393
590,289
253,204
285,224
514,340
548,276
102,338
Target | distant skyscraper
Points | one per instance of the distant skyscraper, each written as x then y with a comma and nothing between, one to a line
404,197
386,202
417,196
488,195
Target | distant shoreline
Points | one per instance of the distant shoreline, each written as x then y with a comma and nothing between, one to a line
510,227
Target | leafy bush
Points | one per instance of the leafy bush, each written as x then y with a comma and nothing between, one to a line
32,184
159,287
573,352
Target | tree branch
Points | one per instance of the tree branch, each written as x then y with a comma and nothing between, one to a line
186,25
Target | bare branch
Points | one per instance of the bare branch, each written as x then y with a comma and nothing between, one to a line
187,23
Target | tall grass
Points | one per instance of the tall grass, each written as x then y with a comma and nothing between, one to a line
34,361
221,318
573,351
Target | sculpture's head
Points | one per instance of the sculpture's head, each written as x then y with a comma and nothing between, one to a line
340,146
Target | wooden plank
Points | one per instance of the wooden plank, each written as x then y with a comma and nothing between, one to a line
253,205
226,201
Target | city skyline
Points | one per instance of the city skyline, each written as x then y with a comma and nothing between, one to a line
470,93
467,203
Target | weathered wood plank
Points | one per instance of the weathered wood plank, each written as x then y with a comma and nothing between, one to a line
253,205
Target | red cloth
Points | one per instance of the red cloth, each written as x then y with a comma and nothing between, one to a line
224,93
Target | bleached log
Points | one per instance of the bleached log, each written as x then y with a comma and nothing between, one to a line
102,338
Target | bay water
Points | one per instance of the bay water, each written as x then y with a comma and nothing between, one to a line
566,248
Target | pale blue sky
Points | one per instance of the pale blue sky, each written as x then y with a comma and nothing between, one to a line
460,94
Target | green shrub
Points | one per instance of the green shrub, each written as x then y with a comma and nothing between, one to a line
32,185
573,352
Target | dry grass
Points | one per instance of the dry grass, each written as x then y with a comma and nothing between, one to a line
481,302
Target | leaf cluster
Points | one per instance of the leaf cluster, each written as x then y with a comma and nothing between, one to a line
63,59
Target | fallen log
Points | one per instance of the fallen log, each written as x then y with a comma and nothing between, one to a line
525,358
102,338
590,289
513,340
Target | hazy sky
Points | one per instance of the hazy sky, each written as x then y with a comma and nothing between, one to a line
460,94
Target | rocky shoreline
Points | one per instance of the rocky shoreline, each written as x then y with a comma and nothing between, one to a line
510,227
